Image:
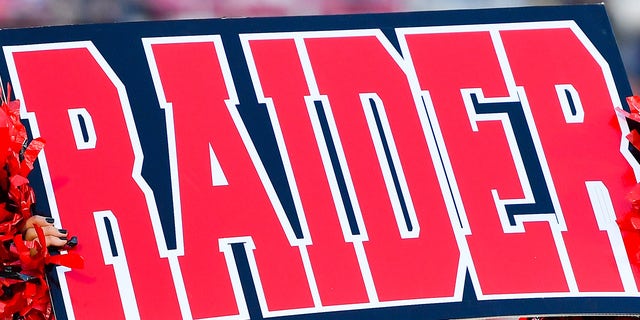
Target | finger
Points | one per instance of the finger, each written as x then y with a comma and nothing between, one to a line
37,220
31,234
55,241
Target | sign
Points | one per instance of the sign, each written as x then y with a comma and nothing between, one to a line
413,165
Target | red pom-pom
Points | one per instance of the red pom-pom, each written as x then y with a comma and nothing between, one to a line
24,293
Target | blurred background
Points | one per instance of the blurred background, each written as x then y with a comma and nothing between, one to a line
625,14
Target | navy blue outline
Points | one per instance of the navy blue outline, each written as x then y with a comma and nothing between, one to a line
337,169
542,198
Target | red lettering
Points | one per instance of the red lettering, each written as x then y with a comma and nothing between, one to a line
412,255
504,263
223,190
335,265
474,149
555,254
570,61
377,133
92,179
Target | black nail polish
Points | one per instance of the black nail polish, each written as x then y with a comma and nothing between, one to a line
63,238
72,242
50,220
63,231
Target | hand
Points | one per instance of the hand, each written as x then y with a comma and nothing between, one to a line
54,236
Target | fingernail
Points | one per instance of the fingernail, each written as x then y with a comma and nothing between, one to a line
63,231
63,238
73,242
50,220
